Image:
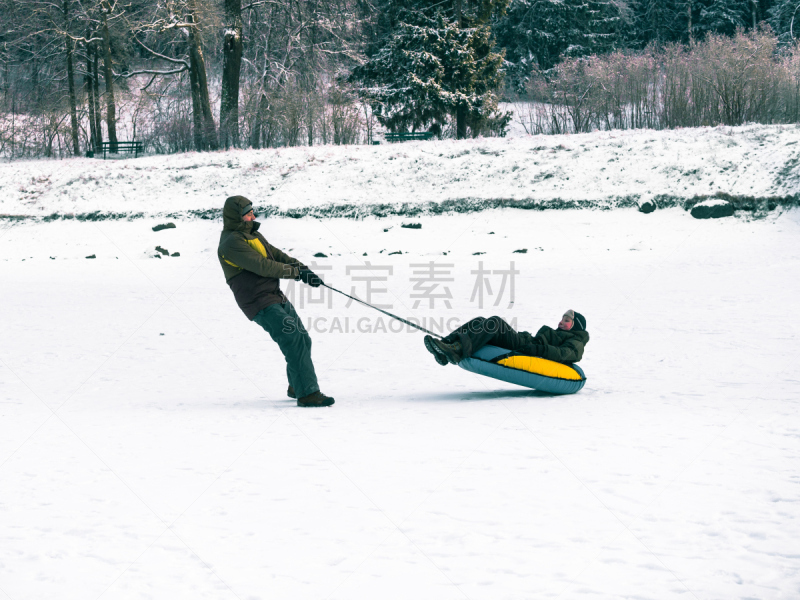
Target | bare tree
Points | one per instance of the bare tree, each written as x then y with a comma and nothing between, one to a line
280,88
232,64
197,73
461,111
293,55
73,111
108,72
157,24
98,115
40,33
90,82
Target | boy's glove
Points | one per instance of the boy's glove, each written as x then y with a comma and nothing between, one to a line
537,349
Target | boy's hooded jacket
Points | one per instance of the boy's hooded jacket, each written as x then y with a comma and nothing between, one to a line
561,346
252,266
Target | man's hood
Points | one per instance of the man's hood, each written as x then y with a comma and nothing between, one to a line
232,215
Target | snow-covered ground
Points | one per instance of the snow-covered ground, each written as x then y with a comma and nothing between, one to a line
147,449
600,169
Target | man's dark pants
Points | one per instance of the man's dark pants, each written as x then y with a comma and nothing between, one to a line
480,332
284,326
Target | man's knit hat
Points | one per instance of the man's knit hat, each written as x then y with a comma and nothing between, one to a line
578,320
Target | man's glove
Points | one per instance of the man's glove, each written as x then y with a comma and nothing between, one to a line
308,276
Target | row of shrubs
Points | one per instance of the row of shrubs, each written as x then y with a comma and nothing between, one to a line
719,81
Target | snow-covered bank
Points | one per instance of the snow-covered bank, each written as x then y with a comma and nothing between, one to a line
755,165
147,449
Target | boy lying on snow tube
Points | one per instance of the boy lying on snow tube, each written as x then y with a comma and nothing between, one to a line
492,347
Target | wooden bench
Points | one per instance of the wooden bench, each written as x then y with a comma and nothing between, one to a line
404,136
130,147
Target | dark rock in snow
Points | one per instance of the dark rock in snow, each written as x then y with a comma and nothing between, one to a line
91,256
712,209
320,255
164,226
521,251
411,225
478,253
163,251
398,252
175,254
647,205
364,254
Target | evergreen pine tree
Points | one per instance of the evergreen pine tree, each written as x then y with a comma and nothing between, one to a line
600,27
537,33
659,21
722,16
784,17
427,70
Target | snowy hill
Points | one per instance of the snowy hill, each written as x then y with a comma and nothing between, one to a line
602,169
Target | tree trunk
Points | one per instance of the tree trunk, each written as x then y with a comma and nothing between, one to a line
754,8
689,7
73,111
13,123
461,111
255,130
232,64
197,112
98,113
7,78
197,64
73,102
35,81
259,137
461,122
90,98
310,117
111,109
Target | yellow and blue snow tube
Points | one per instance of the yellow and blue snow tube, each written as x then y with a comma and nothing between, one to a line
528,371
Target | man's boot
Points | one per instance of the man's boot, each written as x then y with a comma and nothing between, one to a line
315,399
451,351
290,392
437,354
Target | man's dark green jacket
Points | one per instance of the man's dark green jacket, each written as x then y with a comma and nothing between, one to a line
252,266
